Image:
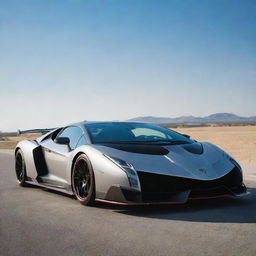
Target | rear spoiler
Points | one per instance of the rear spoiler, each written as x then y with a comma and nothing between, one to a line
35,131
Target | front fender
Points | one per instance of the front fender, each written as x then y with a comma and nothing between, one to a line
106,173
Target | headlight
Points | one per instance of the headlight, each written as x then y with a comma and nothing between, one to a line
128,169
232,160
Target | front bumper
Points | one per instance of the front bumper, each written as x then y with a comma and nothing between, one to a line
163,189
124,196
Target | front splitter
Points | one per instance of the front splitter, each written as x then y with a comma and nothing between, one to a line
162,203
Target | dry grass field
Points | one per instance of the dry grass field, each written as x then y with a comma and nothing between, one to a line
238,141
10,142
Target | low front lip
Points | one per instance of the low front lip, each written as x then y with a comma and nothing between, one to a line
126,196
162,203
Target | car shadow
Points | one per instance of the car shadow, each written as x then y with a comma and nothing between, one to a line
219,210
222,210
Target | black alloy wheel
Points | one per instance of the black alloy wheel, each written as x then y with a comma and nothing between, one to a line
83,180
20,168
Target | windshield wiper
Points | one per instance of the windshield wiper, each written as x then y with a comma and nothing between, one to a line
172,142
118,142
159,142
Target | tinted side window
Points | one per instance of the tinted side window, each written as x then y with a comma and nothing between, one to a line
73,133
81,142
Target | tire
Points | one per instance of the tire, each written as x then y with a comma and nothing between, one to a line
83,183
20,168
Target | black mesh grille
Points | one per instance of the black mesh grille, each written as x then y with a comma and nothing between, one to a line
157,183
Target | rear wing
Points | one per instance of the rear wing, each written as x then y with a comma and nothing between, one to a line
35,131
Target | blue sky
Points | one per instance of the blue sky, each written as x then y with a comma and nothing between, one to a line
71,60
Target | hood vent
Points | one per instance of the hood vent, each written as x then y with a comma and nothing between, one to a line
195,148
140,149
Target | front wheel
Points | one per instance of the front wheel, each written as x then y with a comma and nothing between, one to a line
20,168
83,181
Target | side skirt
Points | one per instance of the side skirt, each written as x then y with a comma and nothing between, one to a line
50,187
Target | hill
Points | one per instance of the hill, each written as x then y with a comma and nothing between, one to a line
214,118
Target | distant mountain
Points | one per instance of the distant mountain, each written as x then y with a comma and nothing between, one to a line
151,119
214,118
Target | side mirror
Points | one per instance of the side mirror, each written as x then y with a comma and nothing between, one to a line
187,136
62,140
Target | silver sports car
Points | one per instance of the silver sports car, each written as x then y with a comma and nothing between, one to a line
127,163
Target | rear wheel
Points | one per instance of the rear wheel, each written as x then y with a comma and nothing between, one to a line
20,168
83,180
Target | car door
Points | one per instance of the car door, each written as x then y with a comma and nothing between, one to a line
58,155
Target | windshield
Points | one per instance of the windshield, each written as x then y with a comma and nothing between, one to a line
122,132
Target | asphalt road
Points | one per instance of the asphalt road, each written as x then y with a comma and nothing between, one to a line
35,221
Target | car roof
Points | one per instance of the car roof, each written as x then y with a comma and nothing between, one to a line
103,122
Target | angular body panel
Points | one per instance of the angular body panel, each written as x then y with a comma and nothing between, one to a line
178,162
27,148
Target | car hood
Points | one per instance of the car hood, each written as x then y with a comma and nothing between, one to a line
202,161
